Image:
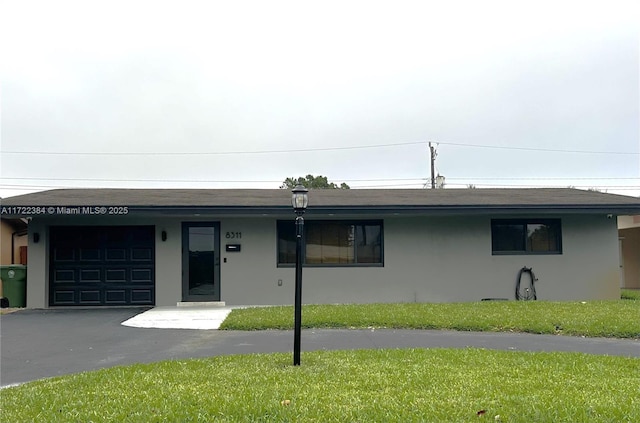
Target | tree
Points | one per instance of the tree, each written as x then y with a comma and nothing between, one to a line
312,182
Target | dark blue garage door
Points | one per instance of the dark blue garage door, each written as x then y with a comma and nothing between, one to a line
102,265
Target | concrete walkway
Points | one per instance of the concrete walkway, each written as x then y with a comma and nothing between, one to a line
36,344
191,317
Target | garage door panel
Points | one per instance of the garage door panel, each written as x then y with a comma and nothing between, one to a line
119,254
90,254
141,275
90,276
116,296
63,276
116,275
64,297
64,254
102,265
142,296
90,297
141,254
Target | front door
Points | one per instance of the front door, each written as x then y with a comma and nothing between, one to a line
201,261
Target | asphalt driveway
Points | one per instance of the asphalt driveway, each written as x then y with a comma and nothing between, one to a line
35,344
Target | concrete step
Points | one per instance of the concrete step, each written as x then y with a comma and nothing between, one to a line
201,304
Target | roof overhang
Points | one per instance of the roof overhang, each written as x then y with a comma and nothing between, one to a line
15,212
387,202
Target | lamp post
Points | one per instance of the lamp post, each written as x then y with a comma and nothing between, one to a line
299,201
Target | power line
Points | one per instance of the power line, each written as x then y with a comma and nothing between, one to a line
417,184
310,150
140,180
217,153
551,150
470,178
558,178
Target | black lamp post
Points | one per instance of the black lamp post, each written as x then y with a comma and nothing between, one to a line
299,201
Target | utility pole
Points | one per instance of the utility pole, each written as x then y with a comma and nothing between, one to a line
432,150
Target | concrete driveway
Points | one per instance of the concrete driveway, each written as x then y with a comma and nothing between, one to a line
35,344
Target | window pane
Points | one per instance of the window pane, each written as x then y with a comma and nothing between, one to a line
332,243
286,243
522,236
542,237
328,242
507,237
369,243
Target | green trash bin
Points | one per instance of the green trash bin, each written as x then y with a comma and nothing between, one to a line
14,284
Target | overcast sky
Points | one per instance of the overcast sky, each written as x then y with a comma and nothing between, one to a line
246,93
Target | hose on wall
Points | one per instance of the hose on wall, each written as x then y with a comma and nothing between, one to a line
528,292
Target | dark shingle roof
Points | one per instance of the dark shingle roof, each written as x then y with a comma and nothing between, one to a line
355,199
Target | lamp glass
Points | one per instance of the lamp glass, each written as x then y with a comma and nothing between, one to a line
299,198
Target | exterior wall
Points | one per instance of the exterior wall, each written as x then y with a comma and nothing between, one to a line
37,272
427,259
625,222
630,257
629,232
6,236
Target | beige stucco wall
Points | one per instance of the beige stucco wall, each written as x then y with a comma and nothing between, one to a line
427,259
630,251
6,231
625,222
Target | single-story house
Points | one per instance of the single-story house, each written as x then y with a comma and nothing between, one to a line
629,238
113,247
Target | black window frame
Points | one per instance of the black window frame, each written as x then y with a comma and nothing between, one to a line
289,226
523,224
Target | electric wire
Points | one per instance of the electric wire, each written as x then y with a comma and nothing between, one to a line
310,150
31,178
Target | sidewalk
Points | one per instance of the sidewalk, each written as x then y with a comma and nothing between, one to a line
191,317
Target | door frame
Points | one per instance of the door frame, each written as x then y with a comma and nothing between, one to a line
185,262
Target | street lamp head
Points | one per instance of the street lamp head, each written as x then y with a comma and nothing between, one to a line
299,199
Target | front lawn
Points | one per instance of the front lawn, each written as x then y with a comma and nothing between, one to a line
414,385
630,294
620,319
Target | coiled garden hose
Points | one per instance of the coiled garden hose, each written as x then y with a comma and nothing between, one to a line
529,292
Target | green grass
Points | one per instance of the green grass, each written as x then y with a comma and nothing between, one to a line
630,294
415,385
619,319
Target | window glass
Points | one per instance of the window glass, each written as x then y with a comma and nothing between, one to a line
526,236
332,243
507,237
286,242
329,243
369,243
541,238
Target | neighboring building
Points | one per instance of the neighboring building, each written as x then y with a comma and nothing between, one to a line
107,247
13,241
629,239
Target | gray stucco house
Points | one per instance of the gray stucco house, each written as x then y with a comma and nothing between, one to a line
113,247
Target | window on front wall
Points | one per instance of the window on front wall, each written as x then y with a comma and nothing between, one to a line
526,236
332,243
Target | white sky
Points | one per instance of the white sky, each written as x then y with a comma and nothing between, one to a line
195,93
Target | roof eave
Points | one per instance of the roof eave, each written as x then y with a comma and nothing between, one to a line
613,209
